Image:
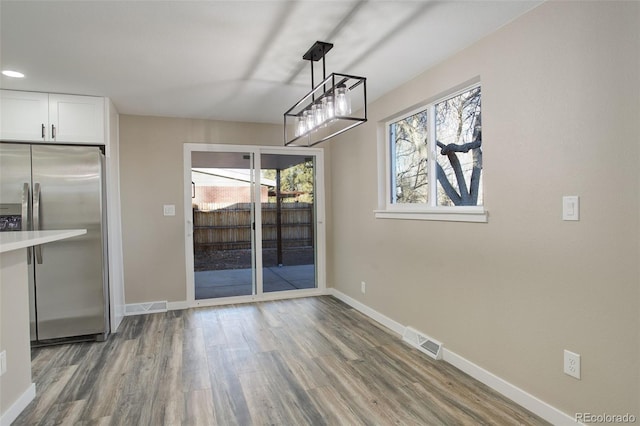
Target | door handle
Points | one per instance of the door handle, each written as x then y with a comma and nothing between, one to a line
42,130
25,215
36,219
53,131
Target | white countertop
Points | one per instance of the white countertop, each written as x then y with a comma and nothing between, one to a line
14,240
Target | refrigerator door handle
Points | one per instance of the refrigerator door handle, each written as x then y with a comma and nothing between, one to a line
36,219
25,215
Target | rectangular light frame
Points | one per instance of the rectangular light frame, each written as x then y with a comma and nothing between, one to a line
341,123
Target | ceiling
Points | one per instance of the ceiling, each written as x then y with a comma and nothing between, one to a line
230,60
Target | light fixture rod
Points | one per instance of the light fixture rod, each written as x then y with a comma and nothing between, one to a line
313,97
324,71
314,54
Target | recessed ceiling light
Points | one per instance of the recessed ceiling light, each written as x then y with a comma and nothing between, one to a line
11,73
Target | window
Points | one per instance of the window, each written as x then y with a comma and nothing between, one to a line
434,161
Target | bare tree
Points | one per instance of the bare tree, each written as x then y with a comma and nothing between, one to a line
458,134
464,113
411,159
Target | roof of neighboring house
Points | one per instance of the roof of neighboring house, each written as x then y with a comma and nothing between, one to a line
225,177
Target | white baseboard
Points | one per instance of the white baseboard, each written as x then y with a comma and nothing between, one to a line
394,326
118,315
176,306
17,407
514,393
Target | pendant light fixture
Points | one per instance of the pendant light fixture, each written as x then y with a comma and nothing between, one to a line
337,104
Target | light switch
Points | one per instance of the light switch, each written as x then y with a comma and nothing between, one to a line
570,207
169,209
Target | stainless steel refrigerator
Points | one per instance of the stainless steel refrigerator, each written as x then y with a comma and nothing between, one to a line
49,187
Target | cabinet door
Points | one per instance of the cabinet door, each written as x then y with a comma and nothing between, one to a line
23,115
76,119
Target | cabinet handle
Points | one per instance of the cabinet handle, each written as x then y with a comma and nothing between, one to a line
53,131
42,130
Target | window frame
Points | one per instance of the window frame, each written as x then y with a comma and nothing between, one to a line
422,211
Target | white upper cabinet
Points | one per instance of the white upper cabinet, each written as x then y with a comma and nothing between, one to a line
43,117
76,118
24,116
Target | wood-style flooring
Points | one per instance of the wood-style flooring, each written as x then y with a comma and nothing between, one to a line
311,361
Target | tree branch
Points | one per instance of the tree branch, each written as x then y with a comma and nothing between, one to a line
452,147
446,185
475,176
477,160
462,184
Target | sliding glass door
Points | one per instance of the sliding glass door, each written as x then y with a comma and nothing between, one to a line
232,191
288,226
223,217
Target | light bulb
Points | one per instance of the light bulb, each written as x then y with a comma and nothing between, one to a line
308,119
301,127
314,115
343,100
329,112
318,114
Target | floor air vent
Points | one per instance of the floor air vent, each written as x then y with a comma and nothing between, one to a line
422,342
146,308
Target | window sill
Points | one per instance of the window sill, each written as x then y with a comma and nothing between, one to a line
456,214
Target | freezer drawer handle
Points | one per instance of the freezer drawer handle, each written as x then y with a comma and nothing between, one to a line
36,219
25,214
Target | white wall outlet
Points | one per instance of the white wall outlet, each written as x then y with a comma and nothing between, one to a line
363,287
570,207
572,364
3,362
169,209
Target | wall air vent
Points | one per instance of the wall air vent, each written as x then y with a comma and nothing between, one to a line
422,342
146,308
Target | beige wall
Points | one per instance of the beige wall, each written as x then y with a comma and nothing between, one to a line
151,174
561,109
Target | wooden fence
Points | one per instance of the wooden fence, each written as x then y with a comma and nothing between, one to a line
230,228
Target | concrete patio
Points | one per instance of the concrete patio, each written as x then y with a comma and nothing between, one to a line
237,282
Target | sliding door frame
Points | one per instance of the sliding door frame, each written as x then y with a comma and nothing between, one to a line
320,240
